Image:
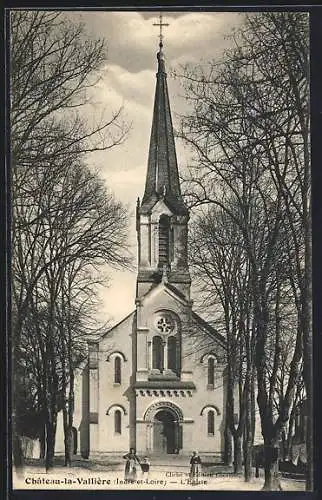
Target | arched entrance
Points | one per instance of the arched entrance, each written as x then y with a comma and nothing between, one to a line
165,432
164,421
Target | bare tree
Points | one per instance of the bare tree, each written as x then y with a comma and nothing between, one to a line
82,228
286,71
243,134
76,310
221,271
54,64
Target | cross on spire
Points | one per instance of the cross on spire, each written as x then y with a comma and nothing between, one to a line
160,24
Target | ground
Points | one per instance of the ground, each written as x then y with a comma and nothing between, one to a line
107,473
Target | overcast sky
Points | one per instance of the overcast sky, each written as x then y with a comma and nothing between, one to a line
129,80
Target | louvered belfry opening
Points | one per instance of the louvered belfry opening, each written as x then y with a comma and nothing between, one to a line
164,240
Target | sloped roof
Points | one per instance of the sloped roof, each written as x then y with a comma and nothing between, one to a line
198,319
210,329
168,286
173,289
116,325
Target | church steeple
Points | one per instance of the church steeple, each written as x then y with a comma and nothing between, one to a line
162,179
162,217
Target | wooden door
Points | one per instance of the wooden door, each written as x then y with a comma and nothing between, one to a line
159,438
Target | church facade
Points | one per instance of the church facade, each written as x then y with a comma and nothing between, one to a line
155,381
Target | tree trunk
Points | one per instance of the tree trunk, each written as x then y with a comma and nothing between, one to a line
68,447
67,439
289,439
65,425
17,449
284,447
306,300
238,459
229,431
253,404
269,430
18,459
50,440
309,451
249,428
71,402
42,442
248,451
272,475
228,452
50,450
248,435
307,377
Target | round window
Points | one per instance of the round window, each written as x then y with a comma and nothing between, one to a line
165,323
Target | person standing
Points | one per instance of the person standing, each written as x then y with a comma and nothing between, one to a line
131,464
195,467
145,467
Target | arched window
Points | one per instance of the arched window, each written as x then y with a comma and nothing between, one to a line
211,422
117,370
172,354
117,422
157,351
164,240
211,371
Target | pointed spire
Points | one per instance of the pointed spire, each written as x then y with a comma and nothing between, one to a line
161,59
162,178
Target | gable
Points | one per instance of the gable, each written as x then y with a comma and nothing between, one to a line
160,208
117,341
124,324
168,291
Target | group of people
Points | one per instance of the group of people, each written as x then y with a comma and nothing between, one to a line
133,464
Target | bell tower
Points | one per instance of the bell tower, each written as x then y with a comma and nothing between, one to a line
161,216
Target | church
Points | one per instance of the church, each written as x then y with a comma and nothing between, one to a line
155,381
